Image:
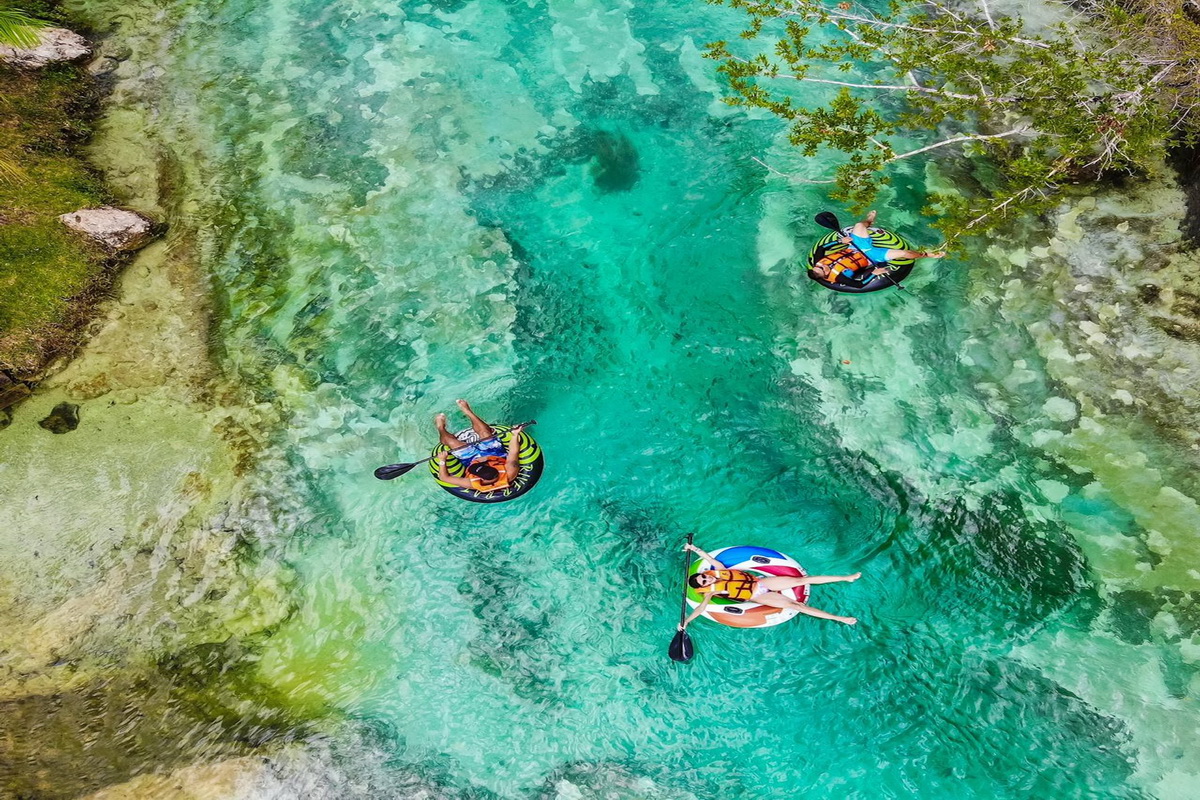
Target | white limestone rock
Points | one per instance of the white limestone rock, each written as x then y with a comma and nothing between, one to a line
56,45
115,228
1060,409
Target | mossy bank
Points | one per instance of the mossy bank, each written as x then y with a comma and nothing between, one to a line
50,277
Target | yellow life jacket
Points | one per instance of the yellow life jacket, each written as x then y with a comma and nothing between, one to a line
732,583
839,261
497,462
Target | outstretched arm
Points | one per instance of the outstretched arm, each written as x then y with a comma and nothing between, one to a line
697,612
512,461
711,561
445,477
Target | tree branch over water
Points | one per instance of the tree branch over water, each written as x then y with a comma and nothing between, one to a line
1062,104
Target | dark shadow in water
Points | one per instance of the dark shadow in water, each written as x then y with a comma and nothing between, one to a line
614,166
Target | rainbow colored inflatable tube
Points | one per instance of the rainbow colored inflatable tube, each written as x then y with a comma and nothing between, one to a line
759,561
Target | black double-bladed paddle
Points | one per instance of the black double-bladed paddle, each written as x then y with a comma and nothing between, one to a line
393,471
826,219
681,646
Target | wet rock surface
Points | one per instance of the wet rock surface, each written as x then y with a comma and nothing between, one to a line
57,45
1186,161
116,229
12,391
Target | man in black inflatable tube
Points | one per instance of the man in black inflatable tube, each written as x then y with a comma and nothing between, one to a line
863,260
490,467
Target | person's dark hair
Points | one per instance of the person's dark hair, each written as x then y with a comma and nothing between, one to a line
694,580
485,472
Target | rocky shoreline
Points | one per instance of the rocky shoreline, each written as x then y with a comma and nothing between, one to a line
144,567
109,234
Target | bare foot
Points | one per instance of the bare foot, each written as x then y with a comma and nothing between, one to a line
464,405
440,422
853,578
850,620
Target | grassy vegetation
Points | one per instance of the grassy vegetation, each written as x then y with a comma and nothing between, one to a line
48,276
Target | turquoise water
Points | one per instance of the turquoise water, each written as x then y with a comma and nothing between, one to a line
542,207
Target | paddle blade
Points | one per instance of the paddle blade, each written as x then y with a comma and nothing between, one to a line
393,471
826,219
681,647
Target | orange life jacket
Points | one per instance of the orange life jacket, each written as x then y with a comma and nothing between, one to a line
497,462
732,583
839,261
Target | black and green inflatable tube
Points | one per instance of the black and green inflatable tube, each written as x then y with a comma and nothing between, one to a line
882,238
532,463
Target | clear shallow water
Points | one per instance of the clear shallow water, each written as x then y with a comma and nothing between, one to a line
541,208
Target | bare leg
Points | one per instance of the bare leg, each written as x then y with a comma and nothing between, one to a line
893,255
447,438
479,426
776,600
778,584
863,226
819,614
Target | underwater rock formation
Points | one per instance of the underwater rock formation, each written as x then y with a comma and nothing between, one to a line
608,780
615,167
63,419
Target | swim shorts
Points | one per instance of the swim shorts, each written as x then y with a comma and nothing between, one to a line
477,450
869,248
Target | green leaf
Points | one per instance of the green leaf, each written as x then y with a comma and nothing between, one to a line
18,29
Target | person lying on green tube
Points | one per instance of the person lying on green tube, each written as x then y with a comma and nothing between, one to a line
490,466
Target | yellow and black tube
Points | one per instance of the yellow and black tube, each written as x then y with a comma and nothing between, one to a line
881,237
531,459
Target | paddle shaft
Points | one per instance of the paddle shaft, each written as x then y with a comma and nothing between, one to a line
687,563
680,648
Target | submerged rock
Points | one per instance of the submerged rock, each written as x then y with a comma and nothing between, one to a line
616,167
57,45
63,419
116,229
582,780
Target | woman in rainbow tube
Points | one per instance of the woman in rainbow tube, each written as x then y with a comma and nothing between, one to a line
742,586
